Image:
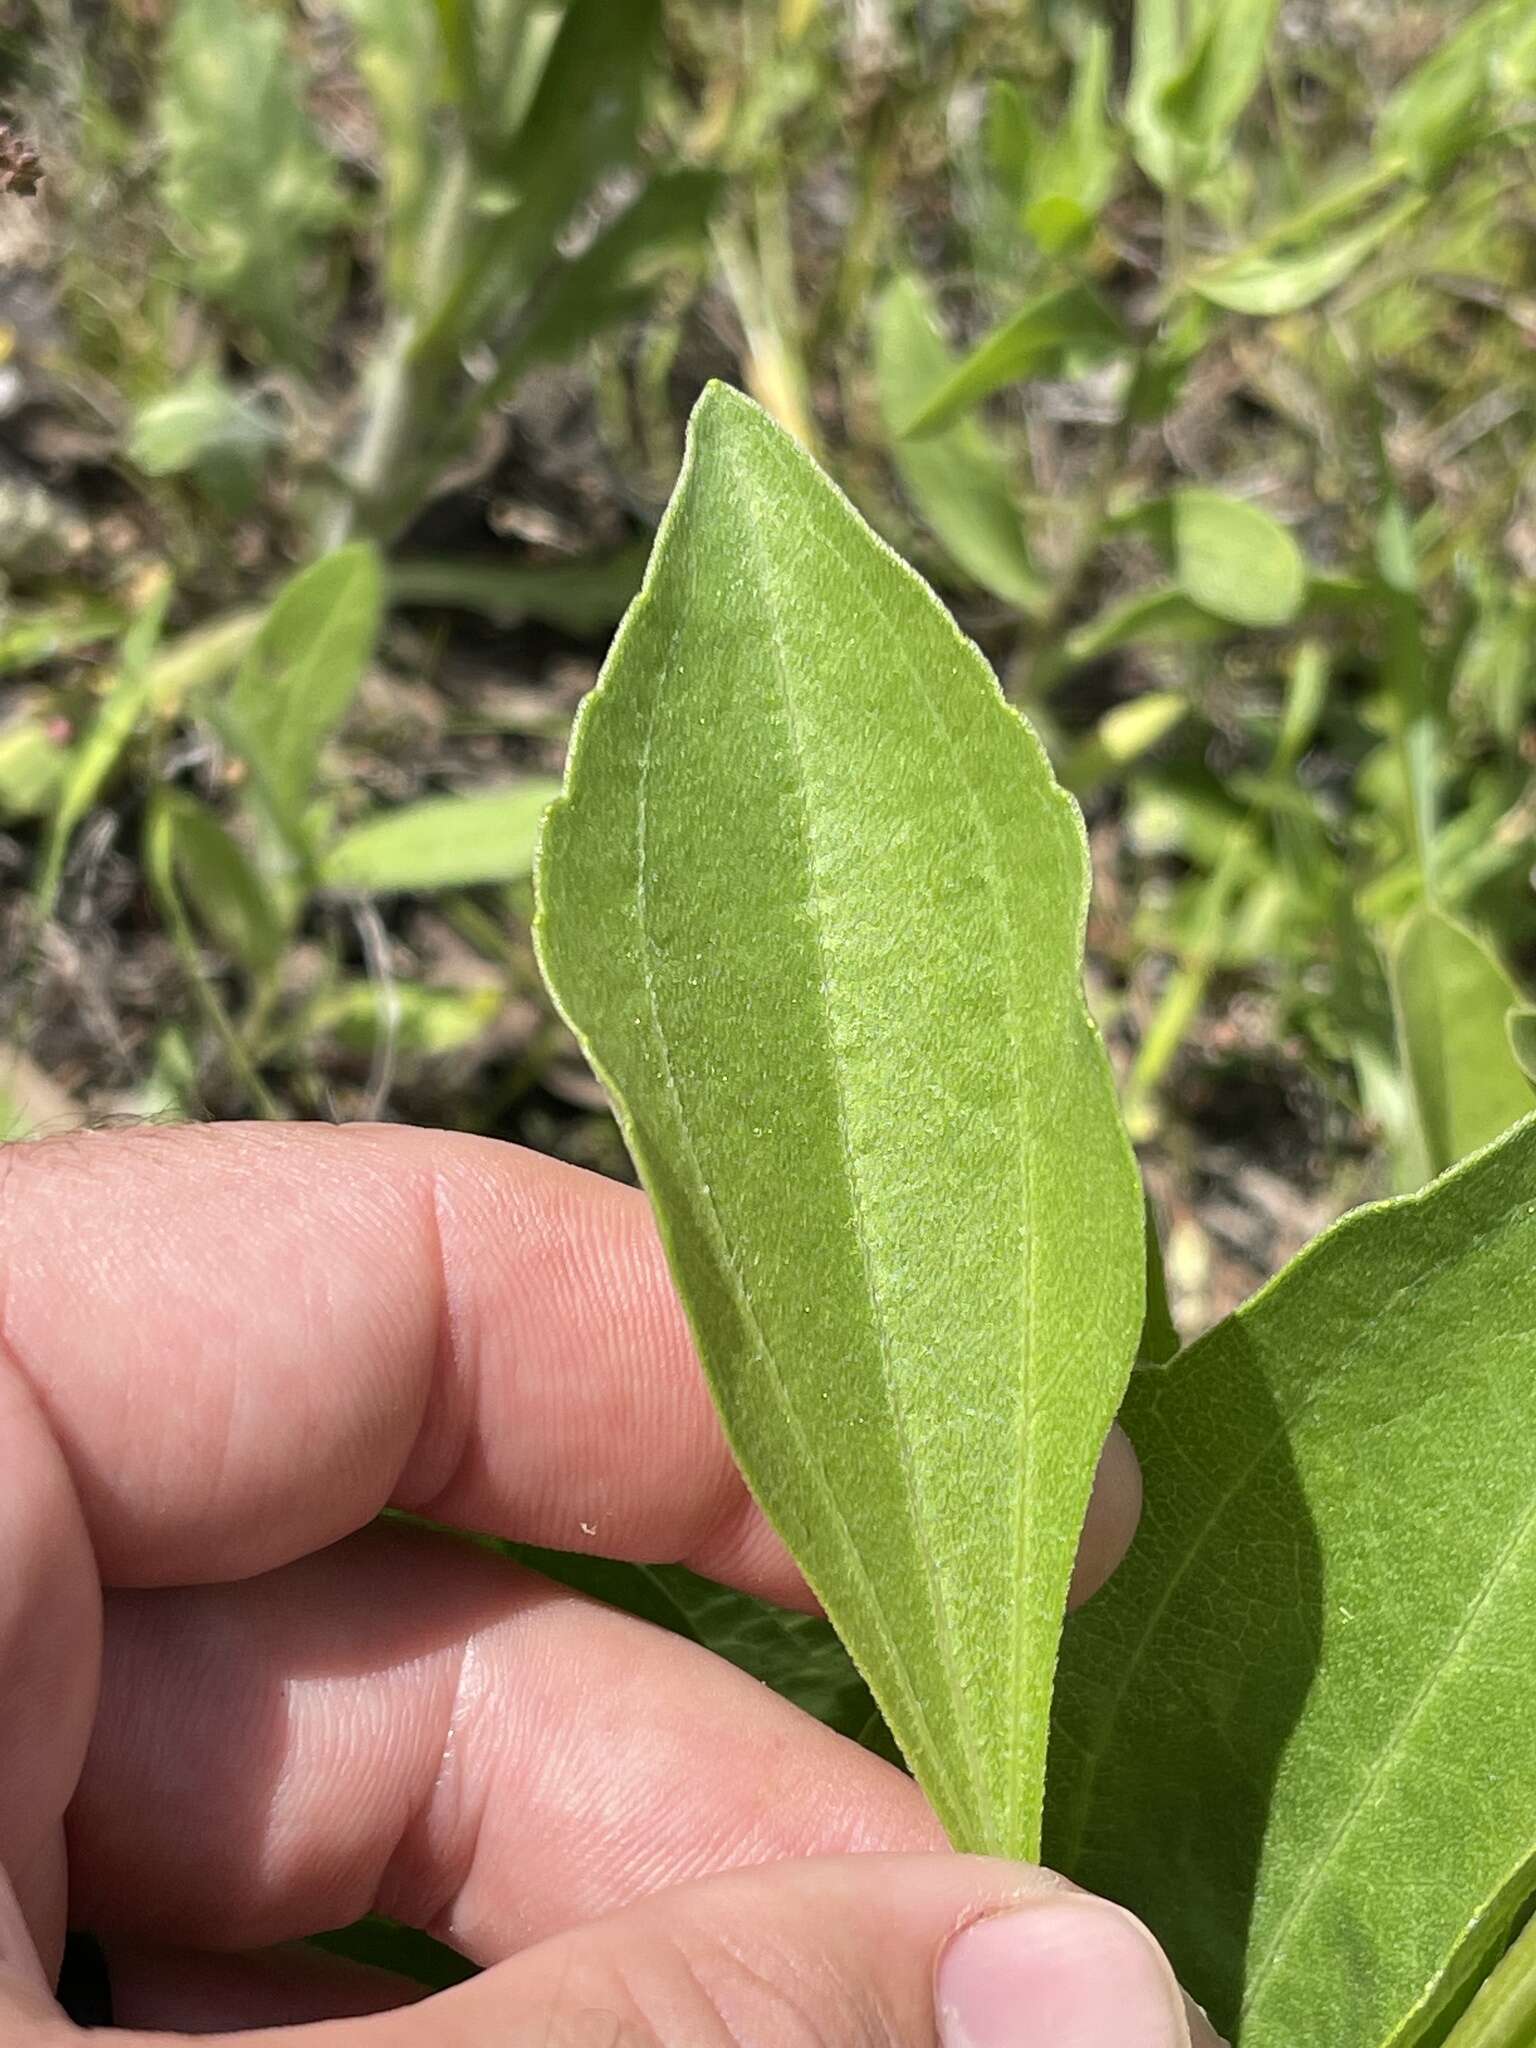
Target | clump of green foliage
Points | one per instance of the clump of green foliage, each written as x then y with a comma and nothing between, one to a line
1227,470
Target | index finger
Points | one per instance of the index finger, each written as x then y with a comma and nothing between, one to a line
248,1339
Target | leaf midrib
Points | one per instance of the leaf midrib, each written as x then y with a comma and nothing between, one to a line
740,486
1026,1493
728,1259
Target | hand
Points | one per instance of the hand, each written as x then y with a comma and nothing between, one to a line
235,1714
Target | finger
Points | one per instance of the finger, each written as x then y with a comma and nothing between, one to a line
50,1633
910,1951
191,1993
22,1973
1114,1509
249,1339
409,1724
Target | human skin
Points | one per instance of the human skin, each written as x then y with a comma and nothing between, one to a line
239,1710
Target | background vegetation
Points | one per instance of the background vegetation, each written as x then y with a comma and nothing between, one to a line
1187,347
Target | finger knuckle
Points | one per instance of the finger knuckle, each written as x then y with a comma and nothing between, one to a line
716,1992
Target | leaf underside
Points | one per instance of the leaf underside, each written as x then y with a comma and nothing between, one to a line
815,907
1295,1731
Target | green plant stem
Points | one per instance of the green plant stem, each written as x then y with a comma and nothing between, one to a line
1035,667
757,264
1503,2014
385,477
1185,992
771,365
160,867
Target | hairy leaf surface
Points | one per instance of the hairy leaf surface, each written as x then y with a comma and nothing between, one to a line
1294,1732
815,906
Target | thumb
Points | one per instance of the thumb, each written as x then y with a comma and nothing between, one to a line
934,1951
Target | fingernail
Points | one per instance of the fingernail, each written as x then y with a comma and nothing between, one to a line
1070,1972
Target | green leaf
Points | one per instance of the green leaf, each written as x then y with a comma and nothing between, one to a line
1012,141
449,842
1451,997
206,428
385,1944
1066,180
417,1020
815,907
615,277
249,189
1071,321
1294,1732
582,125
99,751
400,55
231,899
1235,561
1159,1339
33,767
1282,276
1445,105
1521,1026
1503,2014
580,597
1195,66
1122,735
30,635
956,480
298,679
1158,618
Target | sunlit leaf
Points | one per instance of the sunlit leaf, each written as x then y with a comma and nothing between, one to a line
449,842
814,905
1069,322
1283,277
33,767
417,1020
209,429
956,479
1233,560
248,186
1195,66
299,676
1452,998
1447,103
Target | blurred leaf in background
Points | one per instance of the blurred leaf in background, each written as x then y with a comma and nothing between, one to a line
250,193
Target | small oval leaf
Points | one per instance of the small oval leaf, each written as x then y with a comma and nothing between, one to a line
449,842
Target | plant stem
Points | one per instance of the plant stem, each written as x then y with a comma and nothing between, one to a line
383,485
